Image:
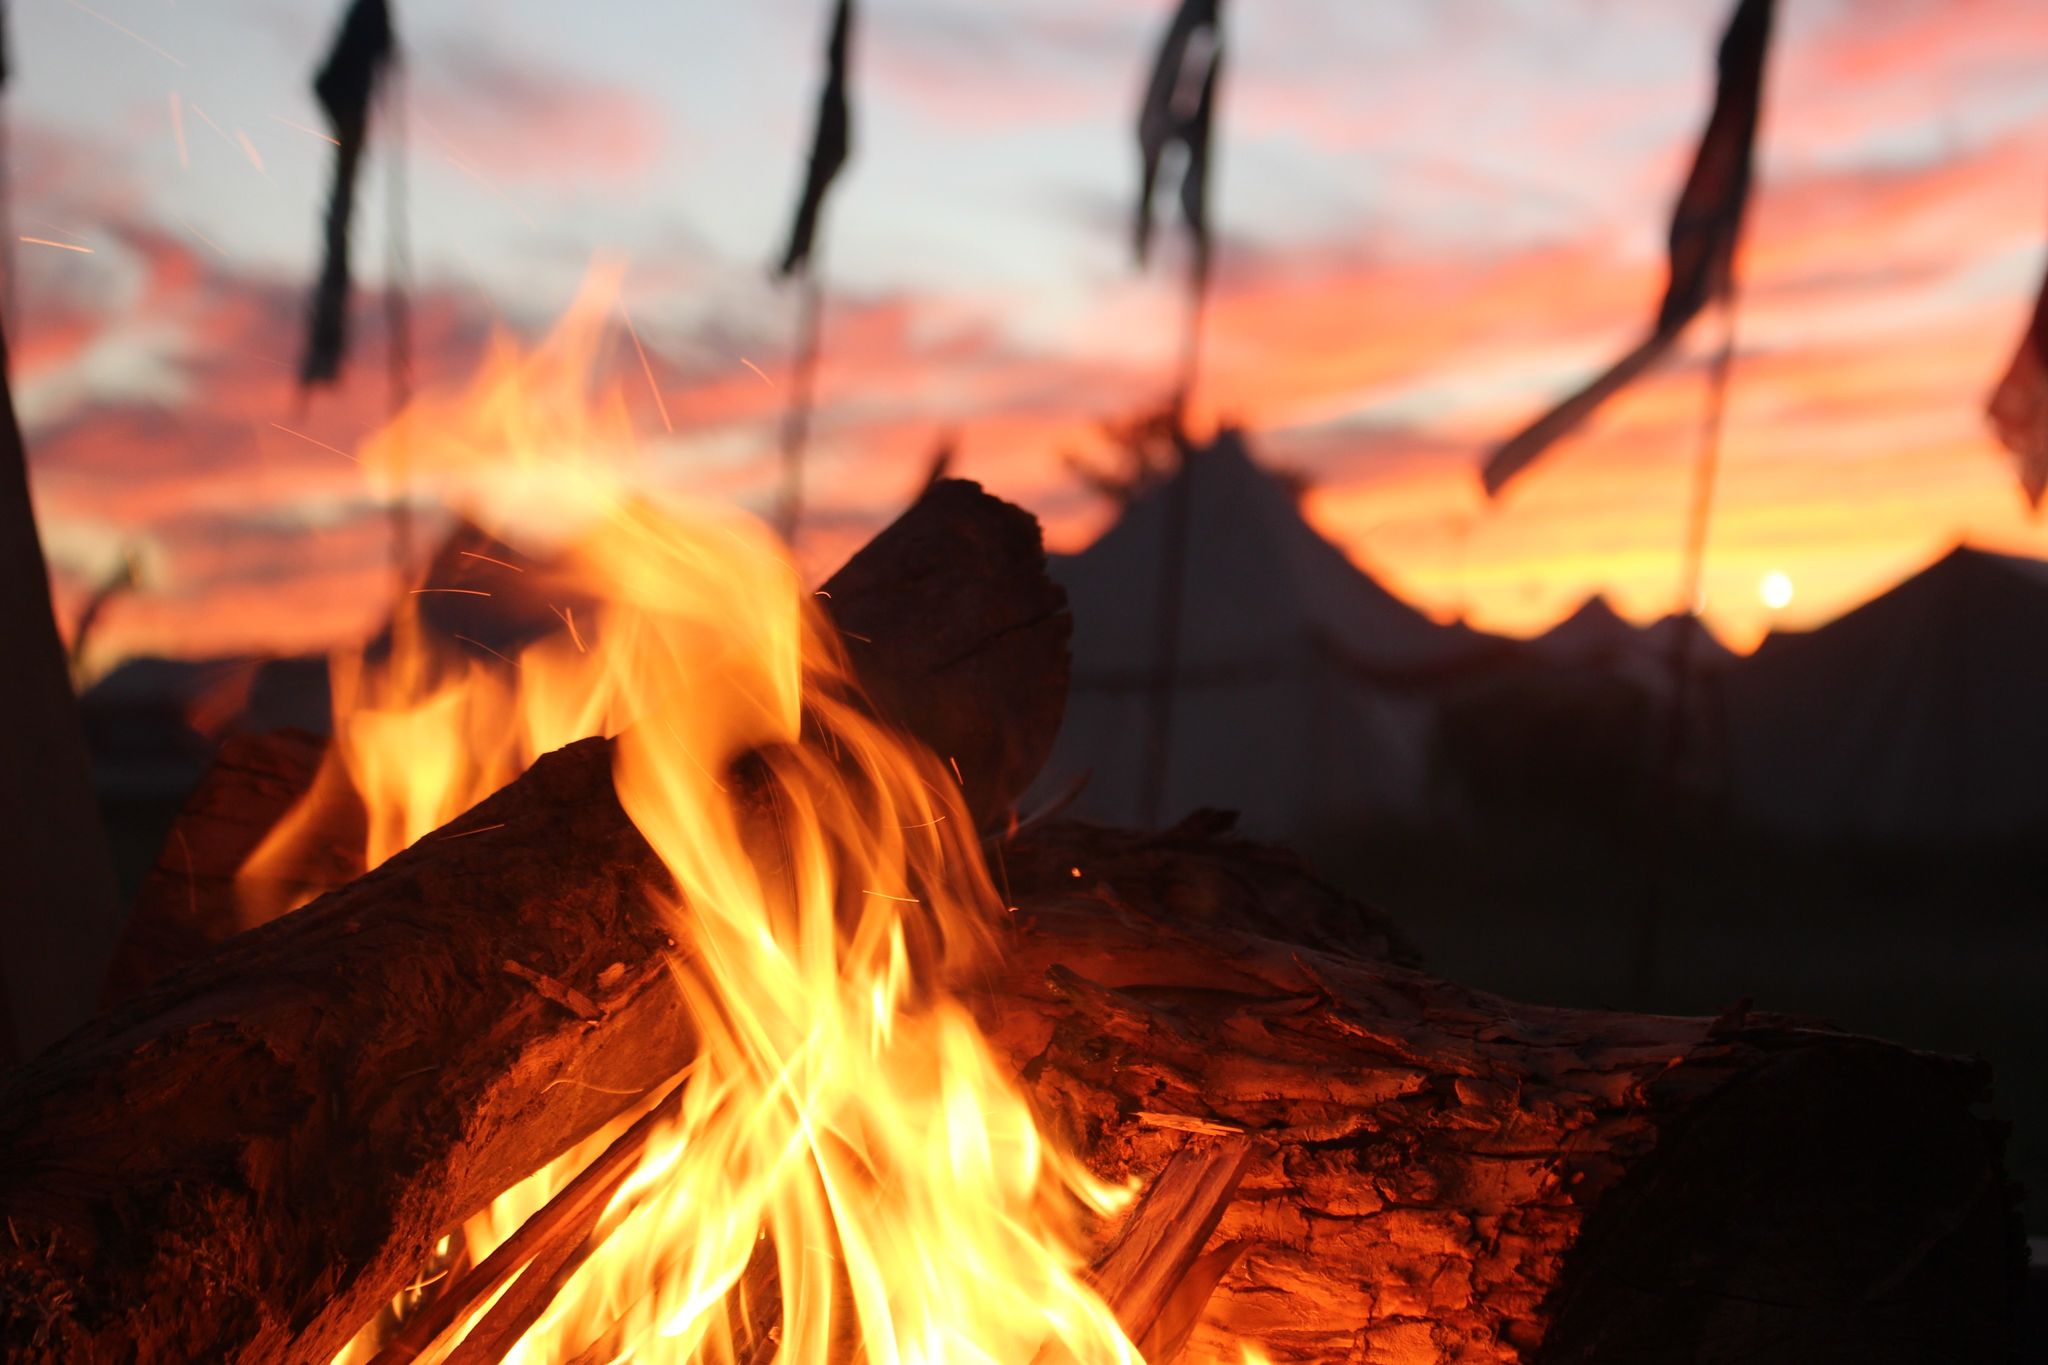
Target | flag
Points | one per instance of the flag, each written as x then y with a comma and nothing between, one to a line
828,147
1705,227
2019,406
1180,102
344,87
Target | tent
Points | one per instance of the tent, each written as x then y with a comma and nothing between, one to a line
1597,638
1574,725
1301,692
1916,717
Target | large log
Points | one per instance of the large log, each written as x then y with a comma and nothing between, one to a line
245,1160
1452,1177
1442,1175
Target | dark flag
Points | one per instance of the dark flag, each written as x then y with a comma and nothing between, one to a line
828,147
1180,102
1704,229
2019,406
345,87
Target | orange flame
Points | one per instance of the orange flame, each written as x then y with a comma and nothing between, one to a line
844,1116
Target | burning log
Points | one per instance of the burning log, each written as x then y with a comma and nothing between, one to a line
947,612
245,1161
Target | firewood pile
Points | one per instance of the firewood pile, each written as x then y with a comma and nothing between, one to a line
271,1129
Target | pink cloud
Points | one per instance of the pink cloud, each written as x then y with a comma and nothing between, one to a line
514,120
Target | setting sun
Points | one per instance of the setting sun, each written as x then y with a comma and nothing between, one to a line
1775,590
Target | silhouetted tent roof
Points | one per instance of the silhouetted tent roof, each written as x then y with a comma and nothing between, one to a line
1302,687
1918,716
1594,630
1597,637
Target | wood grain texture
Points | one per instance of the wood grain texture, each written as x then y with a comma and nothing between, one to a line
1447,1176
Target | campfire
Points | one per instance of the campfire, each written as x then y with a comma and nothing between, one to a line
685,986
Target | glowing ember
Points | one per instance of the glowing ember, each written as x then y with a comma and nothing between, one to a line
844,1120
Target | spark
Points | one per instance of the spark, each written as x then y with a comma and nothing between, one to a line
178,131
313,440
61,246
600,1089
684,750
123,28
883,895
957,776
488,184
647,369
487,649
57,228
249,150
568,615
455,159
218,249
472,554
311,132
758,370
207,119
461,592
480,829
922,824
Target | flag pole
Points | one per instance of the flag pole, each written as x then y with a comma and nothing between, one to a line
1157,125
796,417
1684,650
1191,335
1707,466
1173,554
398,319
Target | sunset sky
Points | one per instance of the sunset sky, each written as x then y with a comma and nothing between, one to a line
1435,216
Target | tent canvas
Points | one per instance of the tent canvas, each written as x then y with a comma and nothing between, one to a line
1303,689
1917,716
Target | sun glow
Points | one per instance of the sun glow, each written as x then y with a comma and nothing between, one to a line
849,1171
1775,590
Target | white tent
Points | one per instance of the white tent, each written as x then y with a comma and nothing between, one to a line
1918,716
1301,690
